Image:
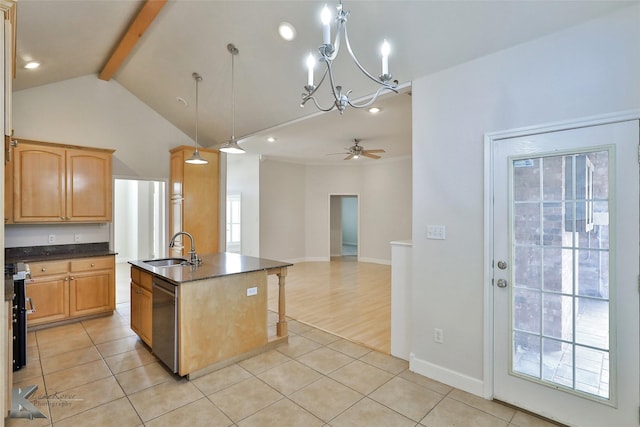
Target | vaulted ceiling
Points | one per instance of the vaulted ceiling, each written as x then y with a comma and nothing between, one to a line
73,38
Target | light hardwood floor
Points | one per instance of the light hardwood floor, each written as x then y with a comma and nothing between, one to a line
345,297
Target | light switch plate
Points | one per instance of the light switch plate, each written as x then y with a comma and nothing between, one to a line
436,232
252,291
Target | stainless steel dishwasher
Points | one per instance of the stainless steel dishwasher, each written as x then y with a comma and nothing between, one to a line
165,323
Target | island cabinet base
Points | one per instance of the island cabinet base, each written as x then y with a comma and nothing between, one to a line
272,344
221,319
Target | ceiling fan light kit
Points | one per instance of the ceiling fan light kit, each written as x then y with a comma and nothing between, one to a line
329,51
356,151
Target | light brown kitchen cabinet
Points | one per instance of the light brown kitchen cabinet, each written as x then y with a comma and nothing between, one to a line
61,183
8,181
91,289
141,304
49,292
67,289
194,204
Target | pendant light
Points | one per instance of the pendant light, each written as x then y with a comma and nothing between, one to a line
195,159
231,146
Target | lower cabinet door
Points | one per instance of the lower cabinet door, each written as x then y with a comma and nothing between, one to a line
141,306
91,293
146,306
50,298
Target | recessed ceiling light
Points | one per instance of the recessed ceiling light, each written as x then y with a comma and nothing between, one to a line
374,110
271,139
32,65
287,31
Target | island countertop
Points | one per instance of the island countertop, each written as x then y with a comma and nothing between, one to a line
213,265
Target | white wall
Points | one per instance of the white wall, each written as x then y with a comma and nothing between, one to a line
282,211
90,112
294,207
387,193
587,70
243,177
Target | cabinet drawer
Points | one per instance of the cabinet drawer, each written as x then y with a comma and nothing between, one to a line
46,268
141,278
89,264
145,280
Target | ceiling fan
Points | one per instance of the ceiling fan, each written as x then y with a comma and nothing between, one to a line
357,150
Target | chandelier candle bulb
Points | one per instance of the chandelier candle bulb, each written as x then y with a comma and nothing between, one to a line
386,49
311,62
325,17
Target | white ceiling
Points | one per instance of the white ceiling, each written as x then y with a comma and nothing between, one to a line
72,38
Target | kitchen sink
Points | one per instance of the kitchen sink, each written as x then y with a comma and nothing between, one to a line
168,262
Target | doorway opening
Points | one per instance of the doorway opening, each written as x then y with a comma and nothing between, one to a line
234,223
139,226
344,229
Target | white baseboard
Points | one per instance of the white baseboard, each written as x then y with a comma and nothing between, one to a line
454,379
375,260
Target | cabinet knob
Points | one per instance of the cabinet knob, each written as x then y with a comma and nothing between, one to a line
44,269
93,265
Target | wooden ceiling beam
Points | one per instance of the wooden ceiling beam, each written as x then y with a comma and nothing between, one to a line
137,28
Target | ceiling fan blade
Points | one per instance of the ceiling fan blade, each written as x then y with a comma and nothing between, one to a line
371,156
349,157
377,150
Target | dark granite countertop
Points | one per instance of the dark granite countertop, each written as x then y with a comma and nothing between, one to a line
56,252
213,265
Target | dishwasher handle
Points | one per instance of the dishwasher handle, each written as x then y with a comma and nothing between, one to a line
166,288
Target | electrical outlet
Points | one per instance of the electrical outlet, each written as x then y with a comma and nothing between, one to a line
77,237
438,335
252,291
52,238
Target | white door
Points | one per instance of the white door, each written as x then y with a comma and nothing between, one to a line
565,293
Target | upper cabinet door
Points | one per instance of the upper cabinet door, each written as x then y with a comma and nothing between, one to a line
89,186
60,184
39,183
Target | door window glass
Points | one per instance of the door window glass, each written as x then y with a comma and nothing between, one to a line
560,248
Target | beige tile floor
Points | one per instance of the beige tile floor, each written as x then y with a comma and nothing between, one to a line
98,373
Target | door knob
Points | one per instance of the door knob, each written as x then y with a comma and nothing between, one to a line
501,283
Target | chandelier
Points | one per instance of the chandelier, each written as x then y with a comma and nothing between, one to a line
329,52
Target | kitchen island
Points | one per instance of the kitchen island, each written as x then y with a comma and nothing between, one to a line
220,311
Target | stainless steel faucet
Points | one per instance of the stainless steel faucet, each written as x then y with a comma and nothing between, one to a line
194,258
